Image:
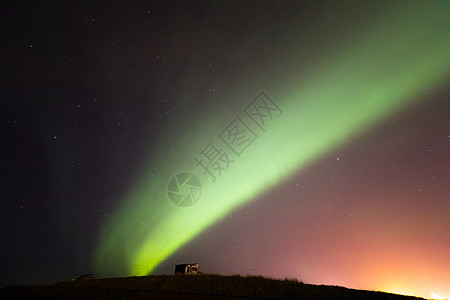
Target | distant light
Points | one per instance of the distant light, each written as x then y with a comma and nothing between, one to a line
436,296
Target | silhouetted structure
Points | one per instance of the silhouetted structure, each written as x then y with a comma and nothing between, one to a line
187,269
86,277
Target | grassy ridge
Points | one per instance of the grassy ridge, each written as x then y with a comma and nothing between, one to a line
203,286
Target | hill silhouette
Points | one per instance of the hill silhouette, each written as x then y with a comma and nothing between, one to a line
190,287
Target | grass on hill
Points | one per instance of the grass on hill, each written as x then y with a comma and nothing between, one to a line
203,286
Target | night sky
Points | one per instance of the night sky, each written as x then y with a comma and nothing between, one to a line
303,139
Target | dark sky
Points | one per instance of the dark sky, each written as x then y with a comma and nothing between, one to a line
96,98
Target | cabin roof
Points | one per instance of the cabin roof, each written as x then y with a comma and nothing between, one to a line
187,264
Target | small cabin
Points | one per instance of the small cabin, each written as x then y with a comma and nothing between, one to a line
85,277
187,269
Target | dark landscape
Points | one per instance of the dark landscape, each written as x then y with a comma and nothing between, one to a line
190,287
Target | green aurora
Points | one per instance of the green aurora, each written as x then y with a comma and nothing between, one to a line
388,69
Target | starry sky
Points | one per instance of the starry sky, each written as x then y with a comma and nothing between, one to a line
288,139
